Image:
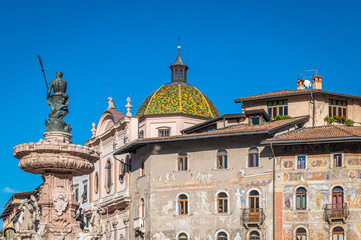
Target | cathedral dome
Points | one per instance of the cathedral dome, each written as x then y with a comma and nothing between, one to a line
176,98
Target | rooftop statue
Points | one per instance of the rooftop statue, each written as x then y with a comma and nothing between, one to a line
58,105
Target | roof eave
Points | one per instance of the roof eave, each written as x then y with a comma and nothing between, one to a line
311,141
137,144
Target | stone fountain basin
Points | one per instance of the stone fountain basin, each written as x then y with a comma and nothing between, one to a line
56,154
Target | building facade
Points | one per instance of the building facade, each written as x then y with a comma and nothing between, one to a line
179,170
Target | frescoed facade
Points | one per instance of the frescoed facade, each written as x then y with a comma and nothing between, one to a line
179,170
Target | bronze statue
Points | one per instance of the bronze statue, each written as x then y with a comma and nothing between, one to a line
58,105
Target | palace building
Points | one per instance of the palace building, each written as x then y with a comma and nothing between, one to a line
287,167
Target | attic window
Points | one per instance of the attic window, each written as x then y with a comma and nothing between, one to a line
163,132
276,108
255,121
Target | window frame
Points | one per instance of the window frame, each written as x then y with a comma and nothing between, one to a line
337,160
218,237
183,204
164,132
336,109
182,161
305,163
277,105
224,202
222,159
255,158
338,233
301,234
184,235
300,196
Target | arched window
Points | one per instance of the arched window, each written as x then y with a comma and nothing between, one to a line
182,161
301,195
254,236
182,236
337,198
338,233
183,204
108,179
141,210
222,200
254,206
222,159
96,182
301,234
253,159
222,236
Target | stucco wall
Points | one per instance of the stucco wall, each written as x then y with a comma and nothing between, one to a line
162,183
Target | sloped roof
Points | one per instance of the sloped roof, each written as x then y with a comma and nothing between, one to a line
242,129
323,133
282,93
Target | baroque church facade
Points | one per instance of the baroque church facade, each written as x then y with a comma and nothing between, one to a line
179,170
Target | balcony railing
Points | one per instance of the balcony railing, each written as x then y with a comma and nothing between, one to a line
252,217
336,212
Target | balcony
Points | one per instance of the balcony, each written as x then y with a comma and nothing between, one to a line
336,212
138,224
252,217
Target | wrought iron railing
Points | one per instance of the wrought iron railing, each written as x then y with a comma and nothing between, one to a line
336,212
252,216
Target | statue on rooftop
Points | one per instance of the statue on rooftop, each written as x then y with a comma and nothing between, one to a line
58,105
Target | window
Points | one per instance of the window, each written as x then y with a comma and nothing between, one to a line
175,73
181,73
182,162
222,159
163,132
277,108
255,121
337,108
337,160
77,194
254,236
96,182
338,233
222,236
301,234
301,162
222,200
85,193
301,202
183,204
337,198
108,179
254,206
182,236
141,210
253,159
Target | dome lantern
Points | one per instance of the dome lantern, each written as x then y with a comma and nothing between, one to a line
179,69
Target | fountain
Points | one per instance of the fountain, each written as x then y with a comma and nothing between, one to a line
58,161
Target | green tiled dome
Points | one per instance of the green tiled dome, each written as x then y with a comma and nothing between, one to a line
178,98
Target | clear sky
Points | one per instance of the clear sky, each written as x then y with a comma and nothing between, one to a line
233,49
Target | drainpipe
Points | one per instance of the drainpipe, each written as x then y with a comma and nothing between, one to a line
274,192
313,110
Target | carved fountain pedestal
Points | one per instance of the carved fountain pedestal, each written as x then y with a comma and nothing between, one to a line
58,160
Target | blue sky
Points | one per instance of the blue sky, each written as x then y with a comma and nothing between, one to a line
233,49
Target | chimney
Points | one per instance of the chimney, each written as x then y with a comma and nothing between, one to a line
300,84
317,82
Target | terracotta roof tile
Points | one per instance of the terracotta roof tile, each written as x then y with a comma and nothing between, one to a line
282,93
238,129
242,128
324,132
